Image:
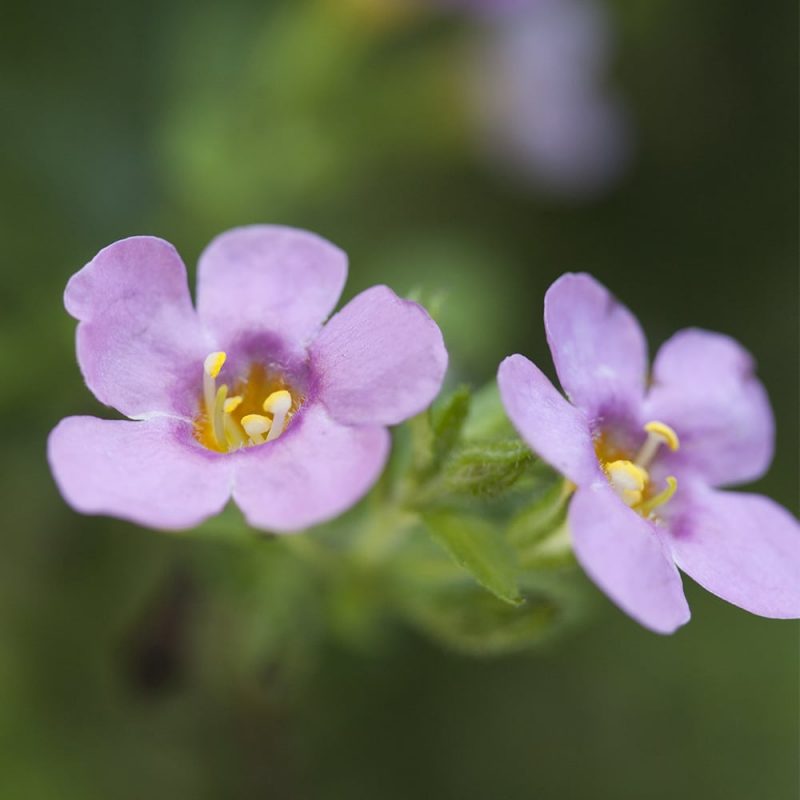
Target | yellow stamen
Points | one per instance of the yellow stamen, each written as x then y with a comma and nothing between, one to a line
658,433
211,367
219,427
631,479
627,475
233,433
277,400
666,434
277,404
217,417
232,403
628,479
662,497
214,363
256,426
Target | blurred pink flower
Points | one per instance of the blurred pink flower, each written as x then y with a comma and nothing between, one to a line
541,88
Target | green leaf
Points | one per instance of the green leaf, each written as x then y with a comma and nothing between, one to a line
447,420
478,548
478,624
486,469
540,518
433,301
487,417
462,617
552,552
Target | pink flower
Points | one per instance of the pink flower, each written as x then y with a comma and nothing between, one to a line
245,397
647,459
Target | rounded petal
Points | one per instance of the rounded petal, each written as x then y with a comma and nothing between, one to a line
704,387
152,472
269,279
140,344
625,557
380,360
316,470
744,548
598,347
554,429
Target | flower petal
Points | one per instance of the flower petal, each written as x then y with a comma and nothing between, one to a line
554,429
269,279
140,344
624,556
152,472
744,548
380,360
316,470
598,347
704,386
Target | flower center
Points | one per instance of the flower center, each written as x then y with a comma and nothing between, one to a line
255,412
630,478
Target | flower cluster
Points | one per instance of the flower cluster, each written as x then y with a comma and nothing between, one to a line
252,396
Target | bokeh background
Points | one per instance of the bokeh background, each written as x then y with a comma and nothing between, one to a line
448,150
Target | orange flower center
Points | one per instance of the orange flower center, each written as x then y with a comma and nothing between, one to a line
630,478
255,411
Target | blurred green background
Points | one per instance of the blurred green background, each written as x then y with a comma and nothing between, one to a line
134,664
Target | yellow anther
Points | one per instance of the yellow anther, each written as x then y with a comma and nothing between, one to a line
278,402
256,425
631,498
658,500
236,415
232,403
627,475
214,363
664,433
658,433
628,479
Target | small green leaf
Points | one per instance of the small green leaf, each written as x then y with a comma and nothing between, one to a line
432,300
486,469
476,623
551,552
487,417
478,548
447,420
538,519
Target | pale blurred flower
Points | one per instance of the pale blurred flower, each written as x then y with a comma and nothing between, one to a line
541,87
